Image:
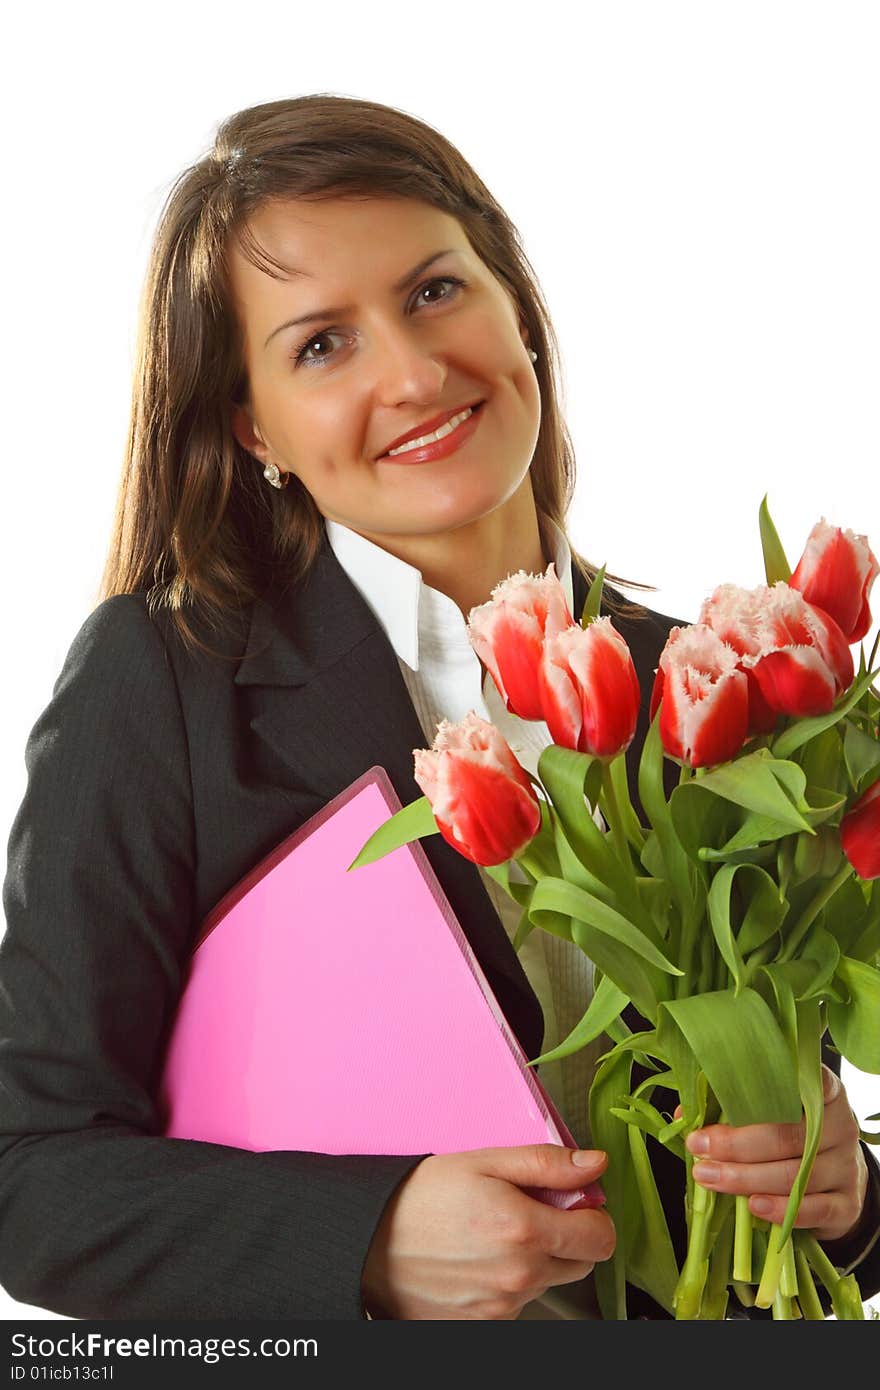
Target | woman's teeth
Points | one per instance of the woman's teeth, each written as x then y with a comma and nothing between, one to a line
438,434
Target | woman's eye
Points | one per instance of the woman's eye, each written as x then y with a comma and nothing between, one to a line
301,354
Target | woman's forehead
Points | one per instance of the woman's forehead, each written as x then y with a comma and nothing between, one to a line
312,237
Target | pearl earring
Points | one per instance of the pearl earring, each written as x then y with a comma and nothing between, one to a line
533,354
272,473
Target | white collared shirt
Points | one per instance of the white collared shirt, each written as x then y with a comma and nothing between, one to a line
445,680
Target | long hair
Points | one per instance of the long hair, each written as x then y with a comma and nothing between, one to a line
196,526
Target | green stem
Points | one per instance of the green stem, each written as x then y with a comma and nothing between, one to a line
689,1290
684,985
771,1271
707,963
782,1308
807,1296
788,1284
611,810
716,1296
744,1292
845,1296
742,1245
811,912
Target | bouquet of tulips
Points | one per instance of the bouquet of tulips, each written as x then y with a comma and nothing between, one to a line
741,919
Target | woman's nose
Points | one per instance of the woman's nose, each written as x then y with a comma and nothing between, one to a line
409,364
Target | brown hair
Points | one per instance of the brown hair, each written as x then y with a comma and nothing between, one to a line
196,526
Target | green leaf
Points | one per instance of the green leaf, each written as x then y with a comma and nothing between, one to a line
853,921
409,823
861,754
611,1084
820,758
718,904
754,831
521,893
674,1046
776,566
573,870
763,915
866,943
783,979
853,1025
816,856
802,730
652,856
651,1261
558,896
824,803
740,1047
809,1061
593,604
631,825
653,798
563,772
607,1004
747,782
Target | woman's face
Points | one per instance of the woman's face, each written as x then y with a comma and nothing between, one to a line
330,396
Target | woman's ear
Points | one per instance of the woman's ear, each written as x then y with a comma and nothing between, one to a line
248,435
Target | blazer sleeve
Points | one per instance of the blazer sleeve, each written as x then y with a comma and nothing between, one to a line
100,1215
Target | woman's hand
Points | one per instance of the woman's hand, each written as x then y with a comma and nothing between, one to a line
459,1240
762,1161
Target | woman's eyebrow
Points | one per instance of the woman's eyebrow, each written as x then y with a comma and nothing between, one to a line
335,311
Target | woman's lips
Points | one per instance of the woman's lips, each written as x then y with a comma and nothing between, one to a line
441,447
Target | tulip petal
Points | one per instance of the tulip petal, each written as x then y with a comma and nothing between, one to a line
836,572
860,834
704,698
795,681
489,819
483,802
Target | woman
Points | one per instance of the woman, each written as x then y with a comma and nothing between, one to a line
275,583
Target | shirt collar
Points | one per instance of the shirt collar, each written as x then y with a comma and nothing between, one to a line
399,596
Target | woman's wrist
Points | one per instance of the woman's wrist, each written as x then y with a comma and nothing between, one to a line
847,1251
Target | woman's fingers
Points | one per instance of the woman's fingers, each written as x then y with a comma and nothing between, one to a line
762,1162
767,1143
829,1215
830,1171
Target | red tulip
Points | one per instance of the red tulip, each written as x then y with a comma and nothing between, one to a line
589,689
508,632
703,697
836,572
860,834
482,799
794,654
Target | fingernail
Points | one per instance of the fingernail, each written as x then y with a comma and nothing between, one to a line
707,1172
698,1142
761,1206
586,1158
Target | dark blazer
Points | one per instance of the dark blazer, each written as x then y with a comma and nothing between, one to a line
156,779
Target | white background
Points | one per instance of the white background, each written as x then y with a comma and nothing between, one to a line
695,184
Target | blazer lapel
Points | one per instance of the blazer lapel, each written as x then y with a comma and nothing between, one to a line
326,699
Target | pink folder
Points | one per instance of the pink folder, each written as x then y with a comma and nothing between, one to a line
345,1012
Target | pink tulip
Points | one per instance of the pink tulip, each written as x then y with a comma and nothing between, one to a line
482,799
589,689
860,834
508,632
703,697
794,654
835,573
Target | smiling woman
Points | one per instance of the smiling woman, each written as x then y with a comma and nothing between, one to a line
313,500
398,367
